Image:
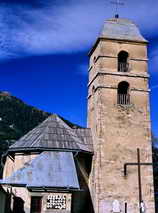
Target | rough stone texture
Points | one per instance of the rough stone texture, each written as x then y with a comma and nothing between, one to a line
119,130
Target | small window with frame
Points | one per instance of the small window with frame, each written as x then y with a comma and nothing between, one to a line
36,204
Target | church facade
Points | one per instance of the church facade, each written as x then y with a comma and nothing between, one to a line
47,170
107,167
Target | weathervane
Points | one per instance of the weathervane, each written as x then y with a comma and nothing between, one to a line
117,3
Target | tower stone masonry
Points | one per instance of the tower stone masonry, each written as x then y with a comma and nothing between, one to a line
119,116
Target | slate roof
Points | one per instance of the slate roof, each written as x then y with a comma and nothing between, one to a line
47,170
52,134
123,29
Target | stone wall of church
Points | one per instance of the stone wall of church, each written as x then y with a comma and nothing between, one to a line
119,130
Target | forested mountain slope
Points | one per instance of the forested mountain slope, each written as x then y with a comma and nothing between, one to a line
16,118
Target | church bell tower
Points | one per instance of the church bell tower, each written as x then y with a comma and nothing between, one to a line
119,117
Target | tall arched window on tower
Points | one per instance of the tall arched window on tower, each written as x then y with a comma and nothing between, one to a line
123,96
123,65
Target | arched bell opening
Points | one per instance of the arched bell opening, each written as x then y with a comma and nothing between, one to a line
123,95
123,65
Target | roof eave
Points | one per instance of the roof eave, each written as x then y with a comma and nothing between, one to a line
54,189
114,39
13,184
43,188
39,149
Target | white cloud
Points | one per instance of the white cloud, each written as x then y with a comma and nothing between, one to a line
62,28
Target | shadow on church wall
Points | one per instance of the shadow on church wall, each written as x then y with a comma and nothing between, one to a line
18,205
81,201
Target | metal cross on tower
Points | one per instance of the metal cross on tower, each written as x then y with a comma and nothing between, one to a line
138,164
117,3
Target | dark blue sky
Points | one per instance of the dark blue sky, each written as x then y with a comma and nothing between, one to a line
52,83
44,46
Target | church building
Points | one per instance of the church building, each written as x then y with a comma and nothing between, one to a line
106,167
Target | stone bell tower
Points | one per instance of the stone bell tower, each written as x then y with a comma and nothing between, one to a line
119,116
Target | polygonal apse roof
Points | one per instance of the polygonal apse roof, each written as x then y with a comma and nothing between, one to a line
54,133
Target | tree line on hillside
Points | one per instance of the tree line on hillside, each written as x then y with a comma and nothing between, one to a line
16,119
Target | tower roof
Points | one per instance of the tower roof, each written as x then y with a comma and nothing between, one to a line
54,134
121,29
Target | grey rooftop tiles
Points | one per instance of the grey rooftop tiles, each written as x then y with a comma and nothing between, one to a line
54,133
123,29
